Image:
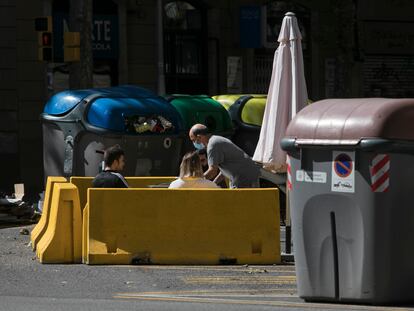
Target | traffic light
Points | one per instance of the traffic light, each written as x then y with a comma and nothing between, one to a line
43,25
45,49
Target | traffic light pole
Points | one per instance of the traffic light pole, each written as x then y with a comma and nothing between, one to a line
80,20
160,46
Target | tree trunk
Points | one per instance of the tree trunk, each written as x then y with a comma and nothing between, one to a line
80,20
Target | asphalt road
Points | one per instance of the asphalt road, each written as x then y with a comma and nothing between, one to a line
28,285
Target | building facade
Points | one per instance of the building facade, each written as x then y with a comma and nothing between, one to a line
352,48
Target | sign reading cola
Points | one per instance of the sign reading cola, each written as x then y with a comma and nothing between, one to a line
104,36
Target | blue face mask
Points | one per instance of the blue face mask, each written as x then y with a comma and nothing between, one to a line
197,145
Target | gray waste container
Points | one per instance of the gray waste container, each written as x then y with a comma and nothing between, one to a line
352,194
78,123
246,112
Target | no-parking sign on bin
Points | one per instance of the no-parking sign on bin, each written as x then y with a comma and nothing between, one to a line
350,172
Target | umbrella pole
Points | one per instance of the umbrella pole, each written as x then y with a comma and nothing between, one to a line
288,228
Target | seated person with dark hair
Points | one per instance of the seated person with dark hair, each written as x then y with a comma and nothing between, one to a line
114,160
202,154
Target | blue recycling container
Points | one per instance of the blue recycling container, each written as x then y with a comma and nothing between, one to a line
79,124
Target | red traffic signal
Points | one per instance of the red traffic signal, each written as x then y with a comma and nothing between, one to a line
45,46
46,39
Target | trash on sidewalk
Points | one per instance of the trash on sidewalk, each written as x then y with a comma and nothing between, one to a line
19,191
24,231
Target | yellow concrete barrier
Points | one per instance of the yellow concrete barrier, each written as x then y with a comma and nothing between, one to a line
85,233
83,183
41,226
182,226
145,181
62,240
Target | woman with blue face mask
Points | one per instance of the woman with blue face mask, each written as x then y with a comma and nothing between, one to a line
191,173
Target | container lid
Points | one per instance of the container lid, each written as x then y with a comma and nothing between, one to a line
253,111
348,121
135,115
252,107
201,109
229,99
61,103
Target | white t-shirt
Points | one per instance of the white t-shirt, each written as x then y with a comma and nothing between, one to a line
192,182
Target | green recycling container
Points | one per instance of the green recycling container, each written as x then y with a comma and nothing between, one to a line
246,112
201,109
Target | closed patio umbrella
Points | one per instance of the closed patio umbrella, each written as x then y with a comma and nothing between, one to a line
287,95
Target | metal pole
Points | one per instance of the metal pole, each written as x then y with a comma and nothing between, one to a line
288,228
160,51
80,20
86,45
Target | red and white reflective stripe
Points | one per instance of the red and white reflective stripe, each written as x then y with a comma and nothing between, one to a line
379,169
289,173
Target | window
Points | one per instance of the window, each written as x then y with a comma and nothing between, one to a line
185,39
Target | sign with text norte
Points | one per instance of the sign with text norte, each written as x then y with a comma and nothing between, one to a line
104,36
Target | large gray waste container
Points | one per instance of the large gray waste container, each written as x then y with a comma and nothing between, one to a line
352,200
246,112
78,123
